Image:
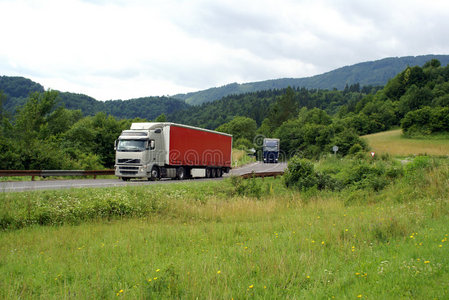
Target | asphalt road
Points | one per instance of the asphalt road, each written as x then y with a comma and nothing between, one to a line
19,186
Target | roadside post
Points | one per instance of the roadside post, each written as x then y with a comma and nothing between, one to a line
335,149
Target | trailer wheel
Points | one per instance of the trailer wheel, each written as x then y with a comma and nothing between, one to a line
219,173
212,173
208,173
155,174
181,173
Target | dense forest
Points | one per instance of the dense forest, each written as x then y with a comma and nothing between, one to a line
44,134
17,90
312,121
373,73
258,105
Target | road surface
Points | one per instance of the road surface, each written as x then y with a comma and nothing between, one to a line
19,186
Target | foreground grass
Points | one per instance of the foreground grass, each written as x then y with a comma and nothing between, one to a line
210,243
394,143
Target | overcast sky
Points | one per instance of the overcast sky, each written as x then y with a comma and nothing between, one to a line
122,49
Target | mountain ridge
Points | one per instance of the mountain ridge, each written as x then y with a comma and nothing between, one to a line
373,73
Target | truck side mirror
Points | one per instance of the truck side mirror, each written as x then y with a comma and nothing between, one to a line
152,144
115,144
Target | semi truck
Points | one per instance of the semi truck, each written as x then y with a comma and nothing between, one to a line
270,150
155,150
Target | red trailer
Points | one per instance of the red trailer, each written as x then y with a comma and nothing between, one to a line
191,146
155,150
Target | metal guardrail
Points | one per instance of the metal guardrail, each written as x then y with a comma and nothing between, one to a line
262,174
95,173
48,173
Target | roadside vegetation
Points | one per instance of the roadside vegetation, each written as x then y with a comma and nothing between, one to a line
346,226
235,238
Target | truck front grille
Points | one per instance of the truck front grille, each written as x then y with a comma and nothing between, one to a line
127,170
128,161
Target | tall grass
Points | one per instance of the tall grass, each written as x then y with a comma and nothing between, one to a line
209,242
240,157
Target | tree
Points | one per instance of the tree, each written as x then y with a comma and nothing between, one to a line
285,108
240,127
2,101
161,118
96,135
35,113
414,98
345,140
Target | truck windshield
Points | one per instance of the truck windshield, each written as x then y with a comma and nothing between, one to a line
131,145
271,146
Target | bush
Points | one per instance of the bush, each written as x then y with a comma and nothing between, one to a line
247,187
419,163
336,174
300,174
356,148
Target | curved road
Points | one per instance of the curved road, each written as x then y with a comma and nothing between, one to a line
19,186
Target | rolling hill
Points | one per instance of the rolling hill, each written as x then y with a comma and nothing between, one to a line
372,73
17,90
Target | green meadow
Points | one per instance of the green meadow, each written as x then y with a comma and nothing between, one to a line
232,239
394,143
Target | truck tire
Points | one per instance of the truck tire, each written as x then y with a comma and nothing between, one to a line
212,173
181,173
219,173
155,174
125,178
208,173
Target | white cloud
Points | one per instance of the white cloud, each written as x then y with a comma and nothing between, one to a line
125,49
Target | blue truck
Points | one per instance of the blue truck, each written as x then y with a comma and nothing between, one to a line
270,150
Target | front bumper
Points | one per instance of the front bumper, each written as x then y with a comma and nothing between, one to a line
131,171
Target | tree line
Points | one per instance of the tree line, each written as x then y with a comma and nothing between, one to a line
43,134
311,122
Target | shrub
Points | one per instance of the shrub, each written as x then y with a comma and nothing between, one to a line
356,148
336,174
300,174
247,187
419,163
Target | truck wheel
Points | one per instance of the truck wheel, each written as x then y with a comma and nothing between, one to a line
125,178
181,173
219,173
212,173
208,173
155,174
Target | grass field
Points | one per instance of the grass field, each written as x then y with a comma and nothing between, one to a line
394,143
236,239
202,240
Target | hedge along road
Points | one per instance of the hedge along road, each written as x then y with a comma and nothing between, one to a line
20,186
